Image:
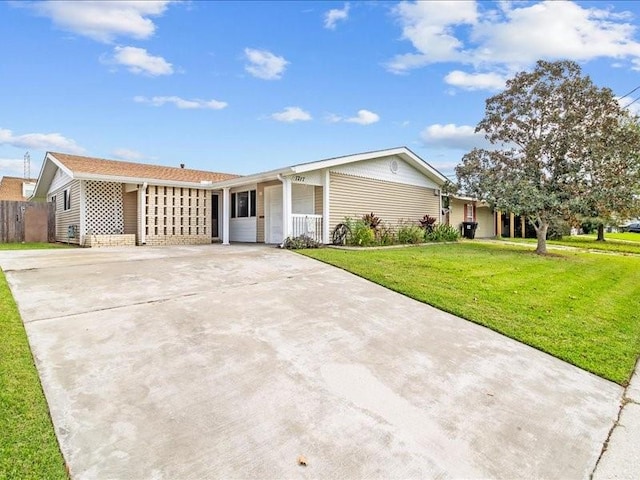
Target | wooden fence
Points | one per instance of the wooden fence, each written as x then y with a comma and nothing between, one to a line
27,222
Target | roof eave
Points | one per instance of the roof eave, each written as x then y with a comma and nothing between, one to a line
206,184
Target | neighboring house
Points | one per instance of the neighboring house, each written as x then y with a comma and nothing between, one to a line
108,202
16,188
467,209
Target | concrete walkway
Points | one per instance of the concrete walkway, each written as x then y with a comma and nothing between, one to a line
230,362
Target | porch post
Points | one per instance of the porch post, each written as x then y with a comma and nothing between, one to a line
226,213
83,213
512,227
326,234
142,214
287,227
498,223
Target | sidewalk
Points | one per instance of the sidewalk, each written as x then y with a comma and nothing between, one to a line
621,458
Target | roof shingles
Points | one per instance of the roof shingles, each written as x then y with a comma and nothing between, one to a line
11,188
114,168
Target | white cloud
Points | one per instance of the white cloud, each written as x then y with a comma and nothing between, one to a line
181,102
460,137
40,141
291,114
264,64
364,117
103,20
510,37
128,154
335,15
13,167
429,27
475,81
139,61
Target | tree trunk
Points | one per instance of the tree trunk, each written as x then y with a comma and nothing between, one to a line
541,234
600,233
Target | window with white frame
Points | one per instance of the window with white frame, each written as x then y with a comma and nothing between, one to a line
55,202
469,212
243,204
67,199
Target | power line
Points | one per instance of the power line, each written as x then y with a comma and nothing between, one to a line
629,104
629,93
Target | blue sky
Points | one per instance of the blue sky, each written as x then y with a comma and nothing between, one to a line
243,87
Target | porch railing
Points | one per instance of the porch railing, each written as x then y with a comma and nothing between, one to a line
307,224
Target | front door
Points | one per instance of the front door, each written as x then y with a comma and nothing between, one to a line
273,214
214,215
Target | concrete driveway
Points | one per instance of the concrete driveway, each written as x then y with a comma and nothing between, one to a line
230,362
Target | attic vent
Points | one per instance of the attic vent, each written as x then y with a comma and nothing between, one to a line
394,166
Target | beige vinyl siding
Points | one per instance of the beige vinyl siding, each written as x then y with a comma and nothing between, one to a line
485,219
260,207
130,209
318,200
393,202
69,217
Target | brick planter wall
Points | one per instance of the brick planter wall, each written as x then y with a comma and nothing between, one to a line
110,240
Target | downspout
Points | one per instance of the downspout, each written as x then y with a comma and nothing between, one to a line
143,216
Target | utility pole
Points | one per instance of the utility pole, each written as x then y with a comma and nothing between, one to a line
27,166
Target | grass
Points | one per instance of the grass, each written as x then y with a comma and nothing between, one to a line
615,242
28,445
33,246
628,236
580,307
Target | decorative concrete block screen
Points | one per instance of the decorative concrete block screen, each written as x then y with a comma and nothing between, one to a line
176,211
104,215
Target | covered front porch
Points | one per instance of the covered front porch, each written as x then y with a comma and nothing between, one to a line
272,210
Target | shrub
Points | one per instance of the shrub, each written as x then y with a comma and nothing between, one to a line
297,243
589,226
427,222
385,235
410,233
443,233
361,234
558,229
372,220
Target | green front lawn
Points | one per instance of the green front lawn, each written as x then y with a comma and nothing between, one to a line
628,236
28,445
580,307
612,244
34,246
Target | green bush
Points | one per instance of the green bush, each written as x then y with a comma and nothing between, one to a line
361,234
410,233
443,233
558,229
385,235
297,243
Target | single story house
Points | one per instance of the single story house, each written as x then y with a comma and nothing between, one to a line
491,223
107,202
466,209
16,189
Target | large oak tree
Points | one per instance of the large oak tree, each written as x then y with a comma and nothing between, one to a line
560,146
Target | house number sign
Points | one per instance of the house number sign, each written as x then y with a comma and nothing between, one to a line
299,178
